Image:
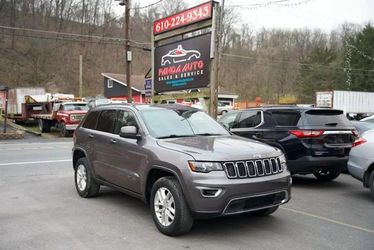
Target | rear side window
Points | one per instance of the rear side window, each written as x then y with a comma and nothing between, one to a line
106,121
326,117
286,117
249,119
91,120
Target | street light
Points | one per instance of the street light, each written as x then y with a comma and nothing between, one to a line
121,2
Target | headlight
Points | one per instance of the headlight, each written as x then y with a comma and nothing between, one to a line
282,158
204,167
283,161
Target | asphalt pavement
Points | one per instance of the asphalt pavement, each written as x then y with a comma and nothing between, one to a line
40,209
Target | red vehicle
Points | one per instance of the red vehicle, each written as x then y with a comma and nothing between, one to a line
65,115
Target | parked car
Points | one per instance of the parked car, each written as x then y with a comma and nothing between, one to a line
223,108
361,160
368,119
315,141
180,161
362,127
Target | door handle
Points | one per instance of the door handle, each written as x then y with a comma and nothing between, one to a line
91,135
114,141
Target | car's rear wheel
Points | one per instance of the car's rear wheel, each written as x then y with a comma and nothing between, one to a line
265,212
371,183
84,181
170,211
326,174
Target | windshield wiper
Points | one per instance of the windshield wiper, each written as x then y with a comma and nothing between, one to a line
174,136
208,134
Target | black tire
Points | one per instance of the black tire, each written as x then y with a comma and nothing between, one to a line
183,221
91,188
44,126
326,174
223,112
265,212
63,131
371,183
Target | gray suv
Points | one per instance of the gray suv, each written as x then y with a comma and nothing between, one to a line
178,160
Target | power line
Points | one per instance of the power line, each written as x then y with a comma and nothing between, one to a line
269,65
292,62
116,39
147,6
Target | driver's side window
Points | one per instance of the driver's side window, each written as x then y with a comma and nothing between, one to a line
125,118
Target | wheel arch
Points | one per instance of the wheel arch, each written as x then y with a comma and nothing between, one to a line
77,154
367,174
153,175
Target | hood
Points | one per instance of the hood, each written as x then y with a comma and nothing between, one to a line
220,148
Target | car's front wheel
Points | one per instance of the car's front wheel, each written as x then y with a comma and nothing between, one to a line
170,211
84,181
326,174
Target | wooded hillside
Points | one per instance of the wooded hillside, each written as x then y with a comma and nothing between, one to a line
41,40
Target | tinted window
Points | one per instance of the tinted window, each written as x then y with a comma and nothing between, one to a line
326,117
91,119
249,119
125,118
107,121
286,117
229,120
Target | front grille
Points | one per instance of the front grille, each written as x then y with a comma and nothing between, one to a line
252,168
77,117
256,202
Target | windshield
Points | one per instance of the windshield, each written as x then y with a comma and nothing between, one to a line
75,106
166,123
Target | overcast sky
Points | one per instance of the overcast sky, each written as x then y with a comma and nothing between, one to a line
322,14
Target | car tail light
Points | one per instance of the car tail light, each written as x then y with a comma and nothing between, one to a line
303,133
359,141
355,133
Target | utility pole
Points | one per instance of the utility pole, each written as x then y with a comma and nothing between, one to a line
80,76
128,51
213,100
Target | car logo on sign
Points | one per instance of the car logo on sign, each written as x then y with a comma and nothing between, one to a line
179,55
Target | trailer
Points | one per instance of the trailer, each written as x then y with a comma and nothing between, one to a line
349,101
20,108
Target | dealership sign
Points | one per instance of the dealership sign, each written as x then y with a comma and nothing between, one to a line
184,18
183,64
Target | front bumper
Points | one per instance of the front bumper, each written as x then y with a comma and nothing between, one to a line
71,126
307,164
213,194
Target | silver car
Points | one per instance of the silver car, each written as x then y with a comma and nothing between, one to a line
361,160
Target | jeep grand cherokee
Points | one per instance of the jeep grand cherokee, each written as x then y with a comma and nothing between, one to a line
180,161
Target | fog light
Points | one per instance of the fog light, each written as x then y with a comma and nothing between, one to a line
210,192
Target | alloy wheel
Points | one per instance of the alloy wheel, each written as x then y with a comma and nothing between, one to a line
164,206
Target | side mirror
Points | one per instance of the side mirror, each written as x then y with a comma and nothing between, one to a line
130,132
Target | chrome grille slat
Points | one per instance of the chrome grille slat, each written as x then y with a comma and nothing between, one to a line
252,168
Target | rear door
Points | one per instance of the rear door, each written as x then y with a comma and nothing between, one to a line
247,124
336,132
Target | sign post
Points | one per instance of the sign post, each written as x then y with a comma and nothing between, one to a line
187,63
